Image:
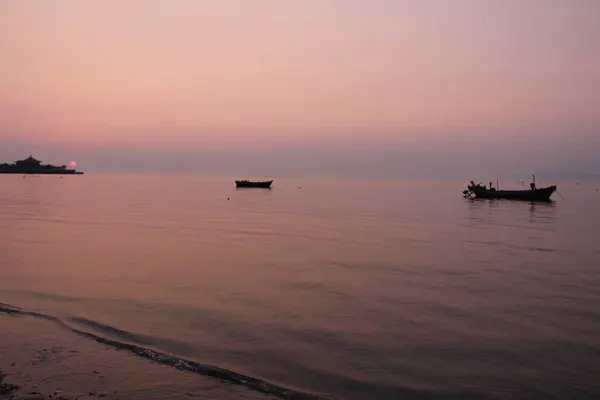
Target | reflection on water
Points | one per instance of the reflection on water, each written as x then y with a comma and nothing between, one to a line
542,212
356,289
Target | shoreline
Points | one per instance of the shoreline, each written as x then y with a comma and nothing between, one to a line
41,361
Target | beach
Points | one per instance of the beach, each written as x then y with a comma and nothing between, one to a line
47,362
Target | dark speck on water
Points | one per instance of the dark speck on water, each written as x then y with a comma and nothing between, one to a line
345,289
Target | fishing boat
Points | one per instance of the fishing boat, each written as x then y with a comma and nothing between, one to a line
480,191
254,184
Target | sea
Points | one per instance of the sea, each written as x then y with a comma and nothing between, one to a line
328,288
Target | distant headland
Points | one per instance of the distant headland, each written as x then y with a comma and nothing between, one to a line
32,166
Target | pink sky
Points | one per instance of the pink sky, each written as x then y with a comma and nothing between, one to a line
191,72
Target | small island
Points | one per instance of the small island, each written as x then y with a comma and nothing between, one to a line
32,166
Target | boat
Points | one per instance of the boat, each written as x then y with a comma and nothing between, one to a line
32,166
254,184
480,191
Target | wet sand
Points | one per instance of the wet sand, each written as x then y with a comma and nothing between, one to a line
47,362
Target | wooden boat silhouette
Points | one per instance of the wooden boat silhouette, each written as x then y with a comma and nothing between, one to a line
533,194
254,184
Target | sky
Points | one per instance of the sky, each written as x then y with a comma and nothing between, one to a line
343,85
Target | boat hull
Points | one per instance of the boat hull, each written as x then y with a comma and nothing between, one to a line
541,194
251,184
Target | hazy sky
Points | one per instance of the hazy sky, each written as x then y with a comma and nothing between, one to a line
117,74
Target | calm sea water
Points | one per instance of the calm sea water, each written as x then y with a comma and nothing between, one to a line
342,288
